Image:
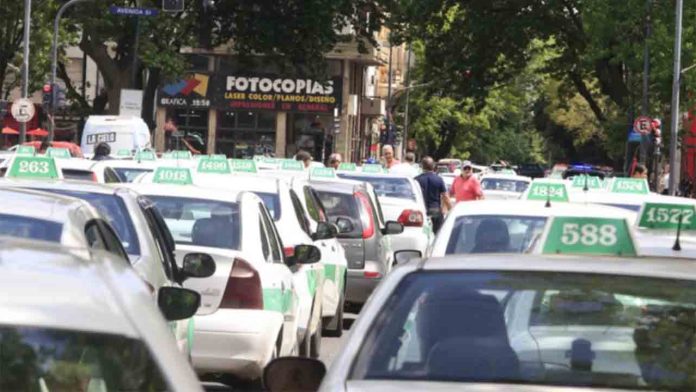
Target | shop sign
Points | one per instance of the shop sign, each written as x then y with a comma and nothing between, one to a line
191,91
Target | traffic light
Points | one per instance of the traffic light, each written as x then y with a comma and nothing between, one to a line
47,96
172,5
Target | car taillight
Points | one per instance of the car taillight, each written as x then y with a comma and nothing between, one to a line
94,177
366,219
411,218
372,274
243,289
289,251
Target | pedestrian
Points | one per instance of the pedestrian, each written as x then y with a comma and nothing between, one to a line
304,157
410,158
335,160
640,172
466,187
388,155
102,152
434,193
45,145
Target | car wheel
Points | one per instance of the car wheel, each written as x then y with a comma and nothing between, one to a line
315,346
334,328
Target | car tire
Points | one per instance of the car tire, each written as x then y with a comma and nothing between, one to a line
334,328
315,343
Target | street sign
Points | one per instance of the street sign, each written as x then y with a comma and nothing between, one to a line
643,125
23,110
129,11
594,236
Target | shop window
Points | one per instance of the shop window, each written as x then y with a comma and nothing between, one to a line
246,120
309,133
245,134
267,121
186,129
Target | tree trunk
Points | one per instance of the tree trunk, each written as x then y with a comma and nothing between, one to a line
153,82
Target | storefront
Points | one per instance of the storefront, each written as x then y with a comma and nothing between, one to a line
241,114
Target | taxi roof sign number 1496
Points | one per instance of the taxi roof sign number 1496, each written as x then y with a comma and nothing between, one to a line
589,236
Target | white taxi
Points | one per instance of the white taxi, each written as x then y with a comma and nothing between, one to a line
501,186
91,325
249,311
129,169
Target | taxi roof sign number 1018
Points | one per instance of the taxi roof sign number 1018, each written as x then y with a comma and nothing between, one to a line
547,191
173,175
589,236
665,216
33,167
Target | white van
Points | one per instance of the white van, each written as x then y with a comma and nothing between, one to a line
121,133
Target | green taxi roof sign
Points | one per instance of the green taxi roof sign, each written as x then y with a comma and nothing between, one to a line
291,164
26,150
145,156
243,165
667,216
347,166
33,167
592,182
322,172
216,166
372,168
59,153
589,236
178,154
553,191
173,175
123,152
636,186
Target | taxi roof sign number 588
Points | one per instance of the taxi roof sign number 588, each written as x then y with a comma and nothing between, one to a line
589,236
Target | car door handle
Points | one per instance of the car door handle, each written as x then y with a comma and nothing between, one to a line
282,287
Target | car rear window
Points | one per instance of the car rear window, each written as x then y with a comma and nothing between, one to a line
503,184
129,174
200,222
342,205
30,228
399,188
494,234
115,211
82,175
272,202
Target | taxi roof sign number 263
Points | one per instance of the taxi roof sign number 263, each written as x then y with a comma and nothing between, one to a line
589,236
33,167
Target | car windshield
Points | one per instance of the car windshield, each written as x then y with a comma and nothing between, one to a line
130,174
30,228
503,184
399,188
554,328
116,212
494,233
272,202
200,222
342,205
42,359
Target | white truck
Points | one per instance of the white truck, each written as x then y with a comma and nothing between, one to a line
121,133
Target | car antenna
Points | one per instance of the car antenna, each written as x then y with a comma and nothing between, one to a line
585,188
548,198
677,245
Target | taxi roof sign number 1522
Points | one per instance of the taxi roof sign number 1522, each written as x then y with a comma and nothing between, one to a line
589,236
33,167
657,216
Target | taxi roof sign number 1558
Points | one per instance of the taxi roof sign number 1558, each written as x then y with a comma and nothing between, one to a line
589,236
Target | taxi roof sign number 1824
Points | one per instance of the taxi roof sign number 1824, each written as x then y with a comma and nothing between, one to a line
589,236
547,191
33,167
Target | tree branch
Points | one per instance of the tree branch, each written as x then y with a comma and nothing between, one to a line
587,94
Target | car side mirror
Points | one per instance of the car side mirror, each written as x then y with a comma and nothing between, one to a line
198,265
325,231
393,227
406,255
294,374
306,254
344,225
177,303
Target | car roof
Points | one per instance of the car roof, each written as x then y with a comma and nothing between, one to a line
39,205
338,185
76,163
536,208
378,175
190,191
68,185
668,268
237,182
506,177
129,164
73,291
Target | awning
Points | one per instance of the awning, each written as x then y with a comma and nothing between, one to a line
9,131
38,132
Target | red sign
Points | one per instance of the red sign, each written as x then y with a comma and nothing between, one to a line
643,125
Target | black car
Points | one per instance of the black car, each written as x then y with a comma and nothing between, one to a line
533,170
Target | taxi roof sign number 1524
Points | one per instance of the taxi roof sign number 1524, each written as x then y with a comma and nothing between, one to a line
589,236
637,186
33,167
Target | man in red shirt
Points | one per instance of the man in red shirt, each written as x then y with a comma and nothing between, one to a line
466,187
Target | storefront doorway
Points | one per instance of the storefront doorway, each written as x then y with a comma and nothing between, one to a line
311,133
186,129
242,134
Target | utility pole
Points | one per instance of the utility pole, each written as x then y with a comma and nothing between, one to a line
645,139
389,94
675,163
25,65
404,142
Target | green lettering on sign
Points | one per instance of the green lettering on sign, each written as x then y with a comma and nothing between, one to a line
145,156
33,167
291,164
209,165
26,150
323,172
124,152
243,165
547,191
592,236
667,216
591,181
173,175
636,186
60,153
347,166
372,168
